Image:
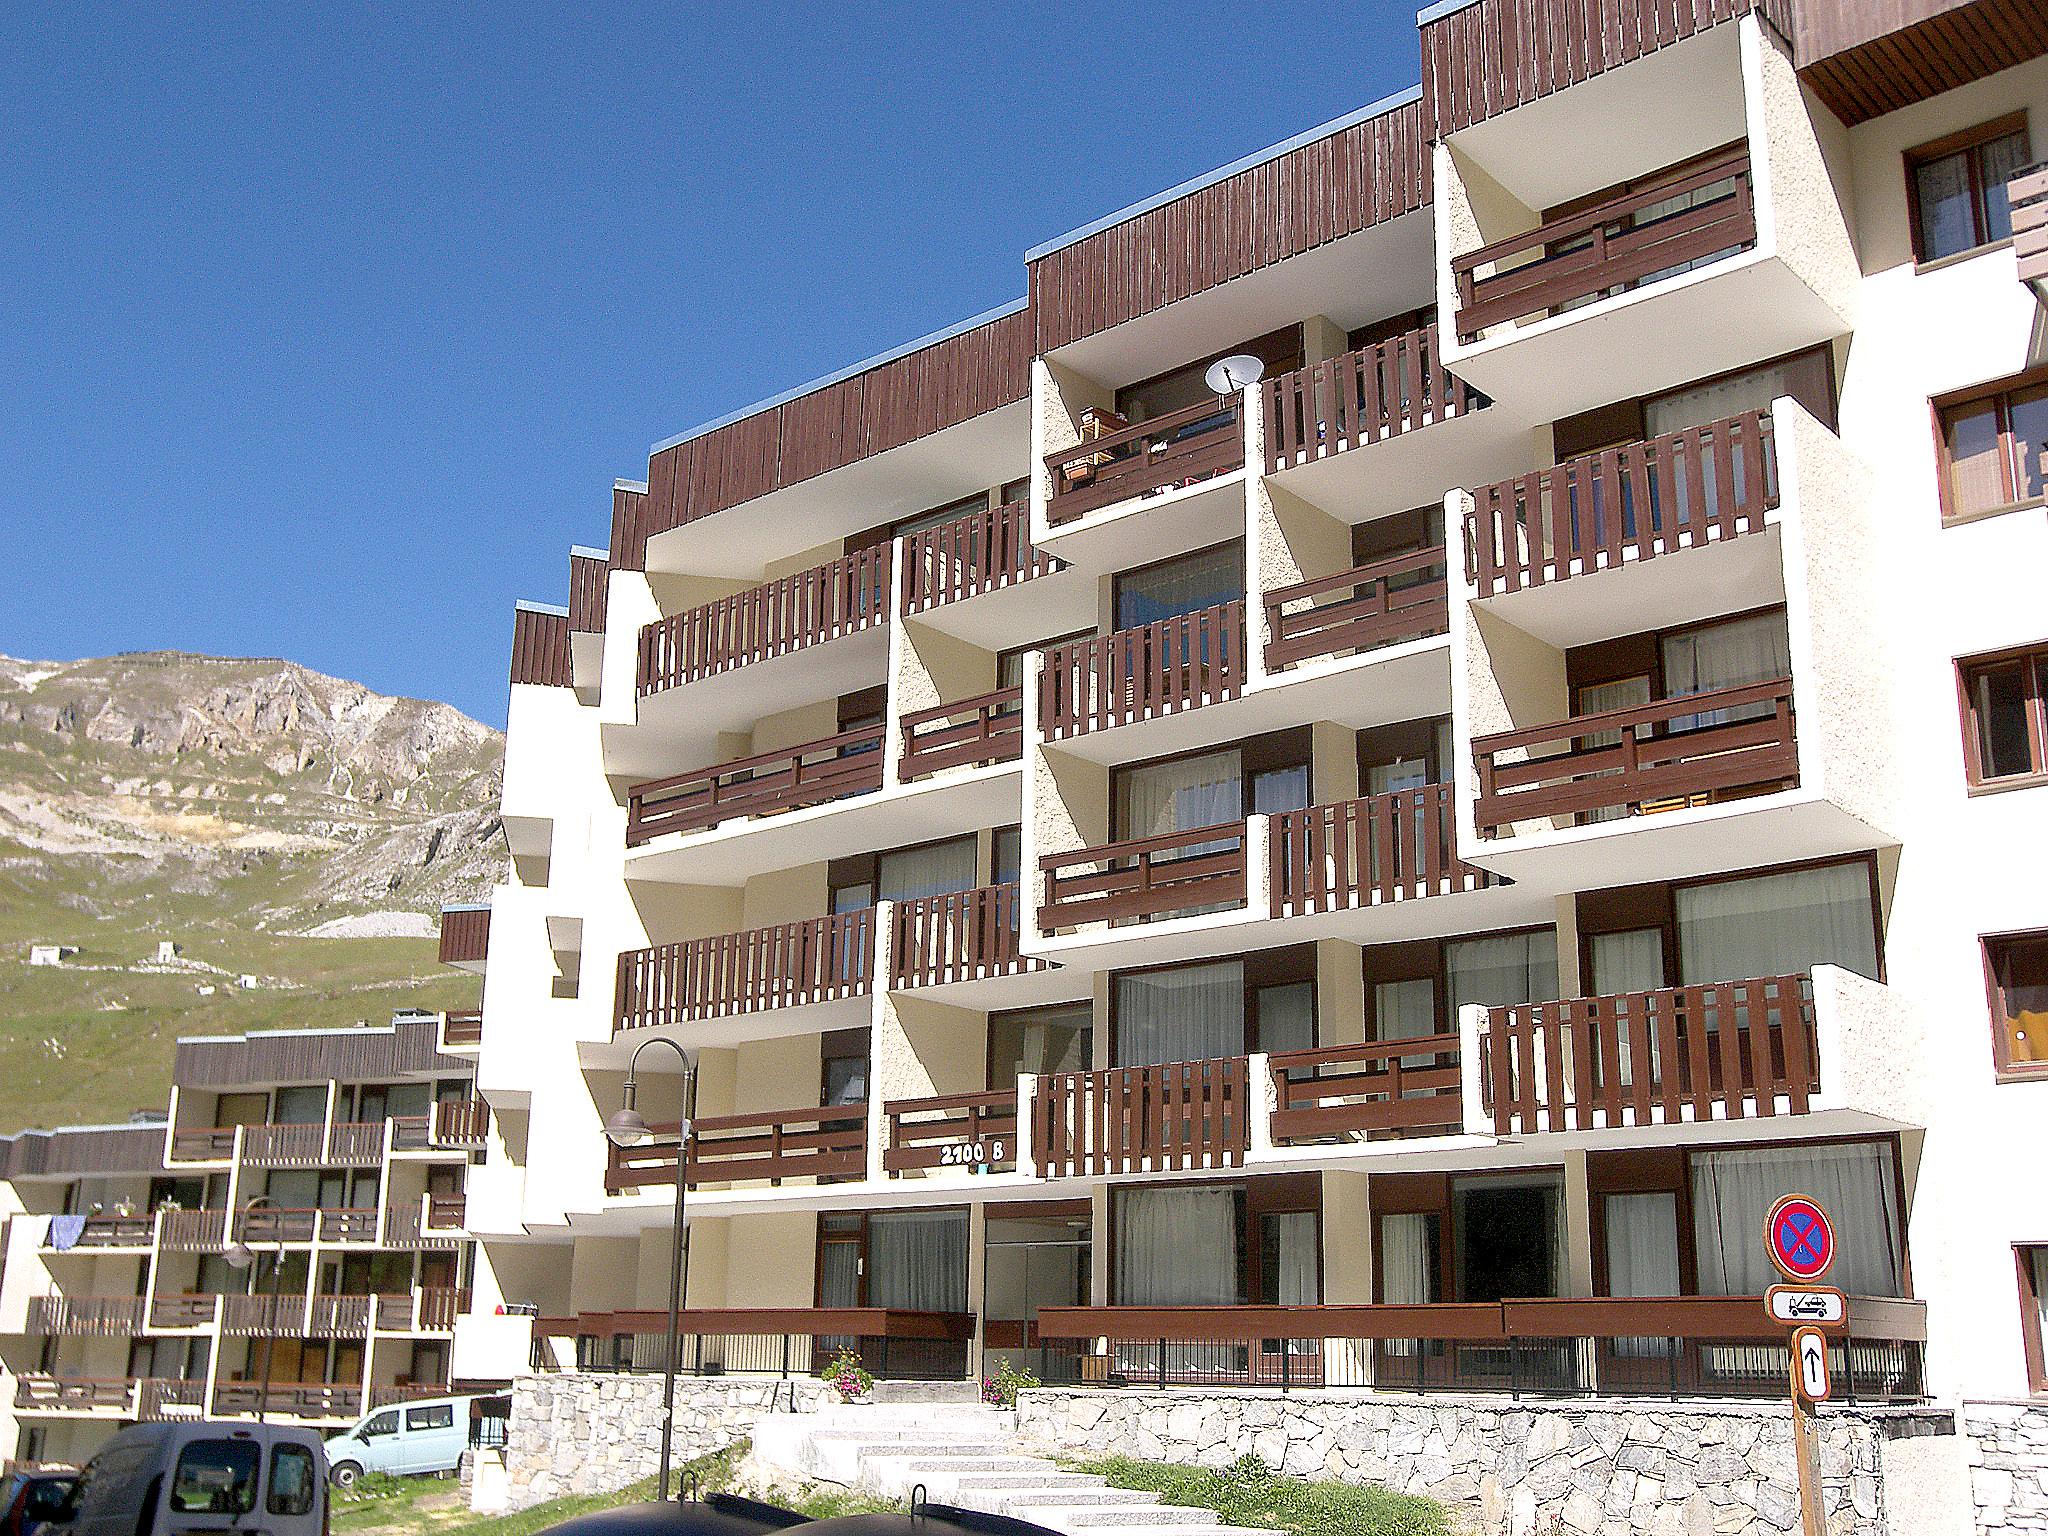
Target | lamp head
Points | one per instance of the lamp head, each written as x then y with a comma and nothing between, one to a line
628,1127
239,1256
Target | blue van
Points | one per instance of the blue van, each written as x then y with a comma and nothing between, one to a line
405,1440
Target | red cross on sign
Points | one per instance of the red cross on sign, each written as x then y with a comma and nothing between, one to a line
1800,1238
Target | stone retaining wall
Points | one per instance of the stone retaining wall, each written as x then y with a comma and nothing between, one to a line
2008,1465
1529,1468
580,1432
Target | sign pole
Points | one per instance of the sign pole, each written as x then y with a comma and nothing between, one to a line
1806,1453
1801,1242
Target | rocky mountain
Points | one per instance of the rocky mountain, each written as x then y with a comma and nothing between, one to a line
275,794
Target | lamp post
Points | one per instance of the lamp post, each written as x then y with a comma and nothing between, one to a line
626,1128
241,1256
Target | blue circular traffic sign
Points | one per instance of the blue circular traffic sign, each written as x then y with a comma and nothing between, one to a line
1800,1238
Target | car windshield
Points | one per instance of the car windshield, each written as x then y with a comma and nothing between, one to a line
216,1477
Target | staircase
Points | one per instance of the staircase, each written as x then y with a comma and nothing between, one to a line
968,1456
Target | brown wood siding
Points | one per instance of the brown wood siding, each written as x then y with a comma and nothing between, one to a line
1498,54
1359,176
540,648
407,1046
465,934
2029,193
1868,57
891,404
589,578
629,529
122,1149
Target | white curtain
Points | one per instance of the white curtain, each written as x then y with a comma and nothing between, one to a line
1508,968
1180,796
1408,1274
1176,1247
1627,962
1752,650
1777,925
1287,1017
905,874
919,1260
1734,1190
1642,1244
1292,1250
1404,1010
1191,1013
1182,586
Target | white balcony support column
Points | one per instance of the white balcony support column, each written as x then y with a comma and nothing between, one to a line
1259,1112
1258,865
1578,1225
888,1044
1471,1033
894,690
1027,1145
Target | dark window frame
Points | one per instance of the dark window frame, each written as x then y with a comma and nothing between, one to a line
1995,951
1998,394
1965,142
2032,660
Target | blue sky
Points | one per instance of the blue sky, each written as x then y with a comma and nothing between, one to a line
325,330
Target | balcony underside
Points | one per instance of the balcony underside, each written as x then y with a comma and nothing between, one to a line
1721,317
1409,681
1057,603
683,724
1680,586
1146,528
738,1028
1026,989
926,472
1413,468
736,851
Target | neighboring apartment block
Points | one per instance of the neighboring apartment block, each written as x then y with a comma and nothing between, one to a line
337,1159
1377,876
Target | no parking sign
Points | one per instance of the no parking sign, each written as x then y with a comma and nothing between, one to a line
1800,1238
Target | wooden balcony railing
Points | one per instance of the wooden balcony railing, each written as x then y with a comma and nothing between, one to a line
35,1389
1641,1345
1388,601
446,1212
840,597
439,1306
976,1131
1728,1050
192,1309
1169,875
339,1317
203,1144
116,1232
1181,663
815,773
1614,245
164,1397
278,1224
1597,512
249,1316
411,1133
297,1400
465,1027
1359,1092
461,1123
348,1224
1182,1115
2027,194
772,1145
988,728
814,960
1360,398
968,556
357,1143
281,1146
193,1231
963,936
771,1341
1650,757
392,1396
1398,846
1197,442
109,1317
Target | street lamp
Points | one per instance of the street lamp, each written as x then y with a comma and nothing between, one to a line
241,1256
626,1128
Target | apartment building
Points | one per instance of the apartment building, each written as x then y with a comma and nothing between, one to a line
1376,873
297,1212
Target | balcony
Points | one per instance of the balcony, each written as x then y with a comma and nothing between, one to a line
461,1028
980,579
1666,1346
466,937
445,1214
107,1317
203,1144
1721,745
462,1123
339,1317
1683,490
1157,670
105,1232
790,779
761,1146
1349,1093
40,1392
1181,448
782,1342
1182,1116
356,1144
964,947
158,1397
194,1231
2028,194
348,1224
253,1316
1359,610
1348,434
290,1400
799,965
1173,874
723,664
283,1146
973,733
192,1309
431,1221
975,1132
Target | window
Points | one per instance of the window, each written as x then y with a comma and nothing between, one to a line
1188,1013
217,1477
2033,1268
1777,925
1175,587
436,1416
936,869
382,1424
292,1482
1006,855
1957,187
1857,1182
1994,448
2017,966
1502,970
1040,1040
2005,722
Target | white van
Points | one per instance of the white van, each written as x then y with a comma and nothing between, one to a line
405,1440
201,1475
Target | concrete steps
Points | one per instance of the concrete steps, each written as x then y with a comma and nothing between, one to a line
966,1455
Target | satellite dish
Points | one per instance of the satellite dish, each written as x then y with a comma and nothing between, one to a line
1230,374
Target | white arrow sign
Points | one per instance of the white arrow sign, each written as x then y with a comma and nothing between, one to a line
1810,1364
1812,1305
